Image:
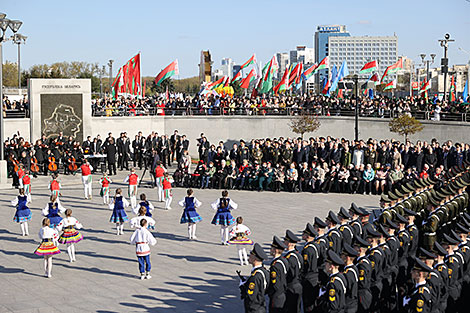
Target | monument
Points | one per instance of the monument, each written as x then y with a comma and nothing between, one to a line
60,105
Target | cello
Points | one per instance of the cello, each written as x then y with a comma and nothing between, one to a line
72,165
52,165
34,165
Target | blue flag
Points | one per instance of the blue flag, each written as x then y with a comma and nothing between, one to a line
371,93
334,74
465,92
343,72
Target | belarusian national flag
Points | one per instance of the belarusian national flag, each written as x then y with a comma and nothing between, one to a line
294,73
217,83
247,80
282,86
452,89
425,87
167,72
267,75
375,78
128,78
249,62
309,72
393,68
237,77
369,67
325,63
391,85
415,85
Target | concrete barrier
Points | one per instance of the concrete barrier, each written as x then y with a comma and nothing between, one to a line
234,128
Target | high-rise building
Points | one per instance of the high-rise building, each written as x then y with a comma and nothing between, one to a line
227,67
303,55
320,43
205,67
283,61
235,70
358,50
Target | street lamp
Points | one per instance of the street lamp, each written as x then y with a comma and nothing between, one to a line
445,61
19,39
110,64
14,26
356,112
427,62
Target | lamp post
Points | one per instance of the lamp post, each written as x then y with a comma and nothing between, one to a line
110,64
101,80
356,112
19,39
445,61
427,62
14,26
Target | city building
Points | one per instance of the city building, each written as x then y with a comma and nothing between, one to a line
205,67
227,67
302,54
358,50
235,70
283,61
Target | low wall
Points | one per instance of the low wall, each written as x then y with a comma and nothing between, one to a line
234,128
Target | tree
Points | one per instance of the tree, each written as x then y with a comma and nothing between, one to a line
10,74
405,125
304,123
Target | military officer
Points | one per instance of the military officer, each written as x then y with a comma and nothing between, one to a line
253,288
419,300
310,255
344,228
364,273
334,295
351,273
294,261
277,277
334,235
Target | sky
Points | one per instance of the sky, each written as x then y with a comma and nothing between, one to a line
99,30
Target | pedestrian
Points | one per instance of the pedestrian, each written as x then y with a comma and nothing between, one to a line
144,203
142,239
167,181
70,235
23,213
52,210
105,181
223,217
86,169
119,216
132,179
47,248
239,236
190,215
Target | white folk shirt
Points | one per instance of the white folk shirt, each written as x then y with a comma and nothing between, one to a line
69,221
142,238
48,233
135,221
240,228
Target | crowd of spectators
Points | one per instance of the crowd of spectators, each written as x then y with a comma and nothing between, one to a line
322,164
181,104
15,108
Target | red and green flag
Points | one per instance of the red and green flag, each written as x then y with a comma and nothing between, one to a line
266,84
325,63
392,69
309,72
375,78
248,79
452,89
294,74
252,60
283,84
128,79
369,67
167,72
391,85
425,86
217,83
237,77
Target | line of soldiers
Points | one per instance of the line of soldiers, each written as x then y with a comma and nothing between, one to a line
410,256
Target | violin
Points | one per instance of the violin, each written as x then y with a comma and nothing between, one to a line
73,165
52,165
34,165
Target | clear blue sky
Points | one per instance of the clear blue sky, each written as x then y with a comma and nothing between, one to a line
96,31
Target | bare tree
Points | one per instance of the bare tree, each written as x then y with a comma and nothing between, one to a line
304,123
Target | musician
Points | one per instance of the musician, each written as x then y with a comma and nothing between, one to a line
86,146
123,146
96,148
69,144
40,151
26,159
173,145
181,146
110,150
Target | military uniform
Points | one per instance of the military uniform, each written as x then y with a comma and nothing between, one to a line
351,274
277,280
310,283
419,300
253,288
334,295
294,286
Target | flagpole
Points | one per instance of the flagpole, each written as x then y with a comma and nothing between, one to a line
140,70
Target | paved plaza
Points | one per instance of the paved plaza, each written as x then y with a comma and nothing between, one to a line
187,276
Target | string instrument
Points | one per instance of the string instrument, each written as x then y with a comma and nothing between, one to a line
15,163
52,165
34,165
72,165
